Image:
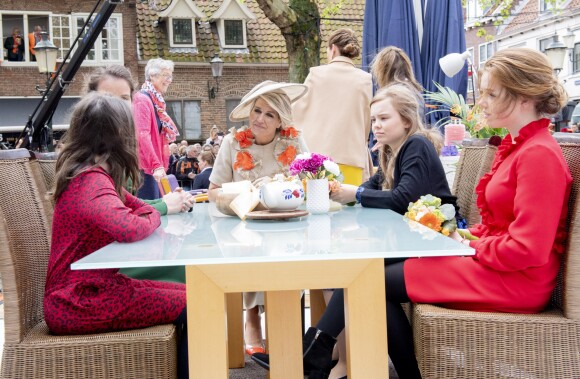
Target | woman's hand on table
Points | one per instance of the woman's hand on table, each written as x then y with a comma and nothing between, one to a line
187,199
178,201
345,194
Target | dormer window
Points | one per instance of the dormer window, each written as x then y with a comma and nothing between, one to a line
231,18
181,16
183,34
234,33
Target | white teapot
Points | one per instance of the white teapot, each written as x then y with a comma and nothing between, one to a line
282,194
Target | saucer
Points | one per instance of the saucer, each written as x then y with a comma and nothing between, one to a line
277,215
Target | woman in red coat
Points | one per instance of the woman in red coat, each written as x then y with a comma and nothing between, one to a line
523,203
92,210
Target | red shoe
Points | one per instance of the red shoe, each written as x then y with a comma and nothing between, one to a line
251,350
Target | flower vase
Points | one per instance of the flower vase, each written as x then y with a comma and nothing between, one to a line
317,196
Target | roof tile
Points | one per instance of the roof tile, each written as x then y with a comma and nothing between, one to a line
265,42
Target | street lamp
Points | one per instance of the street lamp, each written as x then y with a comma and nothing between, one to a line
556,51
46,53
217,66
452,63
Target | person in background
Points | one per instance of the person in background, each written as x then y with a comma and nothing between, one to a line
184,143
188,166
14,45
33,39
155,129
173,158
391,66
117,81
181,150
206,160
214,136
334,114
207,147
334,117
98,159
257,152
216,148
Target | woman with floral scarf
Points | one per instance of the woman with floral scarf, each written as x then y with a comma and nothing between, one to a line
155,129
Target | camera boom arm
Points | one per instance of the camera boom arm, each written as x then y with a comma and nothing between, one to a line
36,125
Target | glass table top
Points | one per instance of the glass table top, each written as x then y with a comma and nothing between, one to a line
205,236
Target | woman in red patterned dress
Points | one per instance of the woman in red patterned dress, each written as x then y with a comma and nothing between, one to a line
92,210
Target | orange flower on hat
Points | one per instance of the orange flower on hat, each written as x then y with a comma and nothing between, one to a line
244,138
287,156
244,161
289,132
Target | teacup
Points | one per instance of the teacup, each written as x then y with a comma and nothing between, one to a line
281,195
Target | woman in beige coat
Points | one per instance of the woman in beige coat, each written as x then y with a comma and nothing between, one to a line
334,114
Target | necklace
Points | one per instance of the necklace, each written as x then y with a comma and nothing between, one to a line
285,150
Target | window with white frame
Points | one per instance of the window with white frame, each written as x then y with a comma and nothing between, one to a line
546,5
576,58
62,29
234,32
474,11
186,114
182,32
109,44
486,51
61,34
23,23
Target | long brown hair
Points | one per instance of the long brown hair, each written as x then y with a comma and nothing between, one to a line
391,66
101,132
404,100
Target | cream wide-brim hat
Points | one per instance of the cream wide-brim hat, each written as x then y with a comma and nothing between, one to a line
294,92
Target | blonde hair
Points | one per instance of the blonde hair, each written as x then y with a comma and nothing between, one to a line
525,73
280,102
391,65
346,42
404,100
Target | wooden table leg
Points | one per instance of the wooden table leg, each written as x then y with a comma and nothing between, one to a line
366,324
284,334
206,326
235,309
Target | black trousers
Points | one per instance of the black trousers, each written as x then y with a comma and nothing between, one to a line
399,332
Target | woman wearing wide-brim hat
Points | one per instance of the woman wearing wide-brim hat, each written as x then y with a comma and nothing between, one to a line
259,150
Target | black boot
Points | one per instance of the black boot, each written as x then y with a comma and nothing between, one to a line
317,347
